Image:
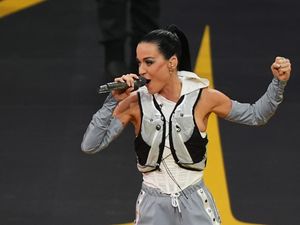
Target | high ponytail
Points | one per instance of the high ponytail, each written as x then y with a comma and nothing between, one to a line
184,57
171,41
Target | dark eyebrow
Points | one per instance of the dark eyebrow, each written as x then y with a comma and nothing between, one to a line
146,58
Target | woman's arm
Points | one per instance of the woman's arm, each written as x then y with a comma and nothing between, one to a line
102,129
263,109
109,121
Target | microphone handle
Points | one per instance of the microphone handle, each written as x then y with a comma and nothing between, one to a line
122,85
117,86
112,86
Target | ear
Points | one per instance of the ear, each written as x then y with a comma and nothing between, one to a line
173,62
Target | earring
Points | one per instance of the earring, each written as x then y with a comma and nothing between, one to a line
171,70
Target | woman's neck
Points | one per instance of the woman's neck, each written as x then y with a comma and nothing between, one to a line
172,89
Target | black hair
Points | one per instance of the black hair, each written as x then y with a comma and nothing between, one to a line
171,41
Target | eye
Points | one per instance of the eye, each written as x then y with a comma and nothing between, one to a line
149,62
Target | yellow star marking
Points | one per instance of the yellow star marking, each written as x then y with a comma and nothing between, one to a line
215,176
11,6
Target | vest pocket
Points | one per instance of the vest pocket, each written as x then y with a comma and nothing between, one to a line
142,150
196,146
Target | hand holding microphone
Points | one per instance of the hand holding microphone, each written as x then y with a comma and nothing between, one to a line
123,83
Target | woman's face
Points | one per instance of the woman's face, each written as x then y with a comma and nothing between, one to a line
153,66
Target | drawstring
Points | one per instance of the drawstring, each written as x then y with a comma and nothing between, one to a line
174,200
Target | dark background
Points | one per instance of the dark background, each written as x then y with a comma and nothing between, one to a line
50,67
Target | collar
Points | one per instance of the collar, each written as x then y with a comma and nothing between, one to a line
191,82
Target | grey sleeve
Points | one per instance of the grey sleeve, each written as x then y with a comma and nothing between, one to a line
103,128
262,110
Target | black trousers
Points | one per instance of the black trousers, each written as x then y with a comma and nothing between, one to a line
120,20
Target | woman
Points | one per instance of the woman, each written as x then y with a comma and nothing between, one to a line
170,116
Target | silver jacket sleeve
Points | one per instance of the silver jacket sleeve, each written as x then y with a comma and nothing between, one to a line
262,110
103,128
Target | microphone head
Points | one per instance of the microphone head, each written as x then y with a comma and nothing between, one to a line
140,82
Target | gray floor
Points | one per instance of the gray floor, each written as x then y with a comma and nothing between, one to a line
51,65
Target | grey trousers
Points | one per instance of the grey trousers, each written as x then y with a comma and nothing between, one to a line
192,206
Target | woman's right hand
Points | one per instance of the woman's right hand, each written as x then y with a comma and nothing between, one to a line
119,95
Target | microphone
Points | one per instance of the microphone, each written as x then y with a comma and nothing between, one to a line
122,85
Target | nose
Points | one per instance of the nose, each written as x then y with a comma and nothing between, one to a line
142,70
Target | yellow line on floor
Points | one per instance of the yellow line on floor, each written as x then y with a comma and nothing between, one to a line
8,7
215,175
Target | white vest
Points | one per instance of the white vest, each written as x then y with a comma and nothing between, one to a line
188,147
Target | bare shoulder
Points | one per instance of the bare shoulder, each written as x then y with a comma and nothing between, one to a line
212,95
218,102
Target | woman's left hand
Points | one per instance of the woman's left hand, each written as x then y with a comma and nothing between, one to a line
120,95
281,68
